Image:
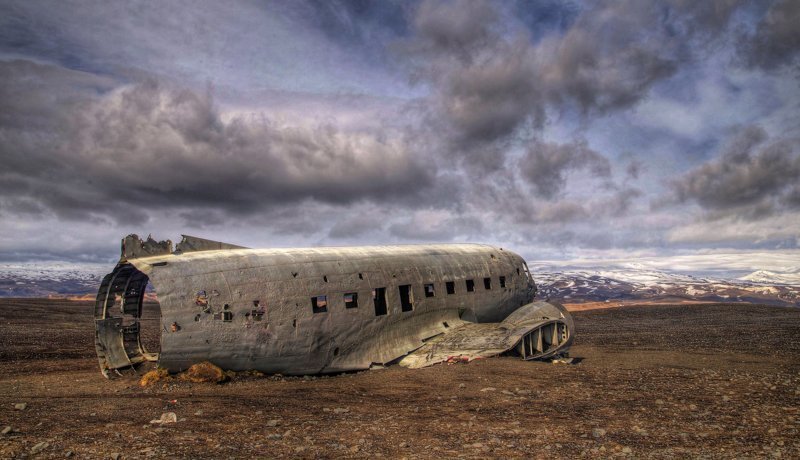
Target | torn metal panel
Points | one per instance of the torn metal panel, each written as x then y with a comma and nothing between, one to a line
193,243
312,310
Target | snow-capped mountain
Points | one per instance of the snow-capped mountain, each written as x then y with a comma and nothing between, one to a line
49,279
765,276
635,283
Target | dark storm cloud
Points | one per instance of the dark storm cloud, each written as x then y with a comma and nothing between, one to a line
749,170
776,39
492,76
545,165
155,146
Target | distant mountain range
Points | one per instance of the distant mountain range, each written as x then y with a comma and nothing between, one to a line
51,279
622,284
631,283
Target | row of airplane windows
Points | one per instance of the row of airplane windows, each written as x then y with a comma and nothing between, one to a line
319,304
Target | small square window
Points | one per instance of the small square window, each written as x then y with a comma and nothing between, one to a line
319,304
470,285
429,290
502,281
351,300
451,287
487,283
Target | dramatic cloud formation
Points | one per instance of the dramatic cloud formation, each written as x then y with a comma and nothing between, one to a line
151,146
750,170
555,128
776,40
544,165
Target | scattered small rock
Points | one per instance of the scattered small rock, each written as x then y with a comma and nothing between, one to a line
274,437
166,417
659,402
273,422
20,406
115,456
461,385
627,450
598,432
488,389
506,392
199,412
6,430
39,447
341,410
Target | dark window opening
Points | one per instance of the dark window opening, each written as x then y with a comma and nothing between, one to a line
487,283
227,316
360,276
502,281
445,324
325,278
406,298
518,271
379,298
470,285
451,287
336,351
429,290
257,313
351,300
319,304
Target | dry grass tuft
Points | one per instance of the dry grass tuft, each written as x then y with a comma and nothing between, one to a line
204,372
154,376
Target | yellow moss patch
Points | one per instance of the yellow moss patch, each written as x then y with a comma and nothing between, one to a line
154,376
204,372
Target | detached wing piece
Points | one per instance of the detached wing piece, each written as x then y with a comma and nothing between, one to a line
537,330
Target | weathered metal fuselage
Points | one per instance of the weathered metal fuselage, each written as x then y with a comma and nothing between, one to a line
302,311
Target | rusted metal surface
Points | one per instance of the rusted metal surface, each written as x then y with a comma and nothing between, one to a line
315,310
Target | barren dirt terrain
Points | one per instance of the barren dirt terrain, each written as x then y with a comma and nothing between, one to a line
652,381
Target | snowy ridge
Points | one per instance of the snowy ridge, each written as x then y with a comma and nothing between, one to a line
48,279
632,283
768,277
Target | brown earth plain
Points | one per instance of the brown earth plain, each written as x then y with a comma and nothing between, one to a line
660,381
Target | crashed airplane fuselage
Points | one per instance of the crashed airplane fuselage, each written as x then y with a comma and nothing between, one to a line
321,310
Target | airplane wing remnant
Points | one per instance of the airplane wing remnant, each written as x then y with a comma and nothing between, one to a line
537,330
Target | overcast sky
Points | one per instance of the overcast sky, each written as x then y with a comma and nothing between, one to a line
561,130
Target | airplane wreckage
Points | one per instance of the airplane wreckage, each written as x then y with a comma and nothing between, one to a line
323,310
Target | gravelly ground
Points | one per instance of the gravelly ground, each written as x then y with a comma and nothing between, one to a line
654,381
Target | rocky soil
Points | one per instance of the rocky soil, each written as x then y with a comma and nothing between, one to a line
715,381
